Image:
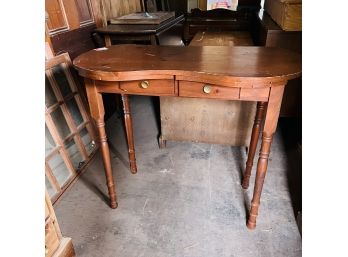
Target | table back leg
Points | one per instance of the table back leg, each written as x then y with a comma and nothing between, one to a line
271,120
129,132
261,106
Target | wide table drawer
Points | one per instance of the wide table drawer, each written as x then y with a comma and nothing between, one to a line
149,87
196,89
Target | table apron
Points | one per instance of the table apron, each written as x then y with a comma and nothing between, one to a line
168,87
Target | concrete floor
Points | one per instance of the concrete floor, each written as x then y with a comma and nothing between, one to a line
186,200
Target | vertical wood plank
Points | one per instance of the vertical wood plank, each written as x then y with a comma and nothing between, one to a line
56,17
84,9
72,13
116,8
98,13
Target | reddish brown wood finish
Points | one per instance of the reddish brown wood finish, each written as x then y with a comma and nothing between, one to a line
194,89
253,142
129,132
250,66
260,70
155,87
271,120
253,93
97,112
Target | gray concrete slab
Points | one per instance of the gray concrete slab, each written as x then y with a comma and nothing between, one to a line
185,200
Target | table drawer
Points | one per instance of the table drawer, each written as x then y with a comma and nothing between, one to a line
149,87
196,89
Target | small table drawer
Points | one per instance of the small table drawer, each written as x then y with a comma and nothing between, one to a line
197,89
149,87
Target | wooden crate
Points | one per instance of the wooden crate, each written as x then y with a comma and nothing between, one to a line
208,120
286,13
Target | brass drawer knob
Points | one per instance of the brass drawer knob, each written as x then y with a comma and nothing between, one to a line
144,84
207,89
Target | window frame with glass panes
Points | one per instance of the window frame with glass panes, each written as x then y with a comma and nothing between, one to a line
70,138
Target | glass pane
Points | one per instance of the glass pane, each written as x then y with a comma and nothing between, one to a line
49,142
59,169
87,141
61,79
51,191
50,97
74,154
75,112
60,123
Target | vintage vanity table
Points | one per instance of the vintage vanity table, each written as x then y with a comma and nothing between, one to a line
227,73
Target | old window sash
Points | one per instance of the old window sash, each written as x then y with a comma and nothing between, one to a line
70,132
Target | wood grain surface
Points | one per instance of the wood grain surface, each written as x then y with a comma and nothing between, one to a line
230,66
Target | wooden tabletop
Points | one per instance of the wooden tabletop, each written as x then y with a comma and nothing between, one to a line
118,62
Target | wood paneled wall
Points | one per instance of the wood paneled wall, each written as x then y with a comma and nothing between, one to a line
114,8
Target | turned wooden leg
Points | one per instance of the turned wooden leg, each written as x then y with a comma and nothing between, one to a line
129,131
261,106
260,177
106,161
96,106
271,120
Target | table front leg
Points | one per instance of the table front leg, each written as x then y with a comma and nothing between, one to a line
271,120
129,132
96,105
261,106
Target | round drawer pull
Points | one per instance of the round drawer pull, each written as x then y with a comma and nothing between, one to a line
144,84
207,89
